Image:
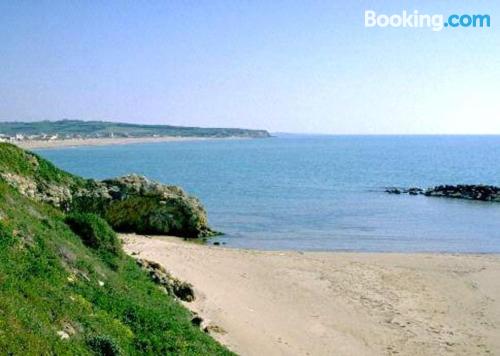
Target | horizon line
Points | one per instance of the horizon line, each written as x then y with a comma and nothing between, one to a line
247,128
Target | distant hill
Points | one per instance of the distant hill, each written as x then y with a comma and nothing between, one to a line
87,129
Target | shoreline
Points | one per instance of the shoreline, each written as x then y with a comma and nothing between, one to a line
344,303
38,144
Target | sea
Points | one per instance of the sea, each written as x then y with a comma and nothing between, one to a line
320,193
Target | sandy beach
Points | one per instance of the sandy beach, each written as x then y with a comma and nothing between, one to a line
33,144
328,303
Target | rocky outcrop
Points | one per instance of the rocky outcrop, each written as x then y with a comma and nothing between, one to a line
131,203
461,191
411,191
54,194
171,285
471,192
136,204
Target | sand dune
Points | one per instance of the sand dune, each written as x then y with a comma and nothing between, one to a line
293,303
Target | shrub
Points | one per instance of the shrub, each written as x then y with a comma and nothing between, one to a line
6,238
95,233
103,346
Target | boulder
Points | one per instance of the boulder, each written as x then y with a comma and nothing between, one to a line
461,191
51,193
172,286
393,190
415,191
466,191
136,204
411,191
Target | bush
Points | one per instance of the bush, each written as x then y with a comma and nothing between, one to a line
104,346
95,233
6,238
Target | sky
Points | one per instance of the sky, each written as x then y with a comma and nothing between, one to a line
286,66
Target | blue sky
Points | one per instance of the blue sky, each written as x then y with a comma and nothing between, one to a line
294,66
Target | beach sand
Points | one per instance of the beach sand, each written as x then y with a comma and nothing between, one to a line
329,303
33,144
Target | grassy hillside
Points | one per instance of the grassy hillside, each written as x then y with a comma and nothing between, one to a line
63,294
102,128
27,164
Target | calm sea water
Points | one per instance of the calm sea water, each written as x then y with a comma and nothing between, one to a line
321,193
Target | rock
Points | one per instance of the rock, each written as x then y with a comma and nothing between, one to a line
411,191
68,328
214,329
216,243
461,191
466,191
393,190
415,191
136,204
173,286
197,320
63,335
53,194
183,290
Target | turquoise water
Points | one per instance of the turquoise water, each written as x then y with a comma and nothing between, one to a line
321,192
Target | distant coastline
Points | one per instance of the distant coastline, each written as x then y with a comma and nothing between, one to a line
108,141
34,134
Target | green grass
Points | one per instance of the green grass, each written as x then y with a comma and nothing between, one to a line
51,281
96,233
28,164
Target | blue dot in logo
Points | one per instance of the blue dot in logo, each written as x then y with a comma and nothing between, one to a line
446,24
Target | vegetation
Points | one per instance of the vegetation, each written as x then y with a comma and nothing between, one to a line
146,215
60,295
30,165
103,345
136,204
96,234
131,203
106,129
